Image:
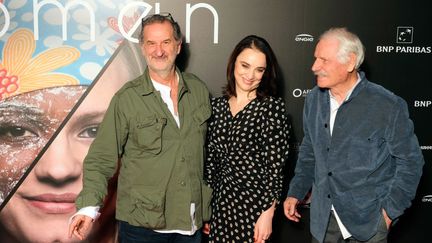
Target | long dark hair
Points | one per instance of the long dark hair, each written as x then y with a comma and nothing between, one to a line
267,86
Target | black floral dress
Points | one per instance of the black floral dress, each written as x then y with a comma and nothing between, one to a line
245,156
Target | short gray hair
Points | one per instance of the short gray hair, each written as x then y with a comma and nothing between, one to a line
161,18
348,43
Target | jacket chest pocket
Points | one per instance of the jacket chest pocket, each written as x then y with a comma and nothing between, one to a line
200,117
148,133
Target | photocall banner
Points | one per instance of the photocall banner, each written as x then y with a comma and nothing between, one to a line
61,61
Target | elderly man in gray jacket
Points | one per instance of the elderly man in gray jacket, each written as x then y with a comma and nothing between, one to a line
359,152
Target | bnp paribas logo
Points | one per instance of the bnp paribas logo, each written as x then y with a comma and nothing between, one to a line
404,35
404,40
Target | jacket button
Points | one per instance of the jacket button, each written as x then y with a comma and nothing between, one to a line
328,196
182,183
328,149
325,125
330,174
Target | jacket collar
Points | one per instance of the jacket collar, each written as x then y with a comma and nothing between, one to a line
360,86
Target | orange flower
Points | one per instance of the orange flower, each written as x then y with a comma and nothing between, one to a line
20,72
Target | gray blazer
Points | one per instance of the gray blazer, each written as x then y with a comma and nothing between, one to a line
372,160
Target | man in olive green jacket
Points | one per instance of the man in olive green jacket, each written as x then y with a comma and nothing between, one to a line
156,126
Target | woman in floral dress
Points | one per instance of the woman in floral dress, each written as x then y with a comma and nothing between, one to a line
247,146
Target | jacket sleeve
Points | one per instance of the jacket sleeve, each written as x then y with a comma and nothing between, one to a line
303,178
405,150
101,161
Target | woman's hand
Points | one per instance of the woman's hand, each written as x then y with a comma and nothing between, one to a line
263,226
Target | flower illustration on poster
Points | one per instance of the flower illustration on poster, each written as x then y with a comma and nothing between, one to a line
128,23
77,30
20,72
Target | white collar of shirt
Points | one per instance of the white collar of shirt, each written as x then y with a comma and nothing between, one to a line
165,92
334,105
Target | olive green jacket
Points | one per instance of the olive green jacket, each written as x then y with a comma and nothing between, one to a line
161,165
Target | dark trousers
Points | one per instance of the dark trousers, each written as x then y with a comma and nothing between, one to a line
334,235
135,234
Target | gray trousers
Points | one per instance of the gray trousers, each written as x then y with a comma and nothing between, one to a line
334,235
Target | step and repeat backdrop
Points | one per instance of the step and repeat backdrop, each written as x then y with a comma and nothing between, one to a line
61,62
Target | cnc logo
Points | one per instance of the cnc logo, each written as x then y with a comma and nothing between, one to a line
404,35
304,38
427,198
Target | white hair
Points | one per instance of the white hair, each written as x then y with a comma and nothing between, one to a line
348,43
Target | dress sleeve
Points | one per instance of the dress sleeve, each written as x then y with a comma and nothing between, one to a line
211,166
276,139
